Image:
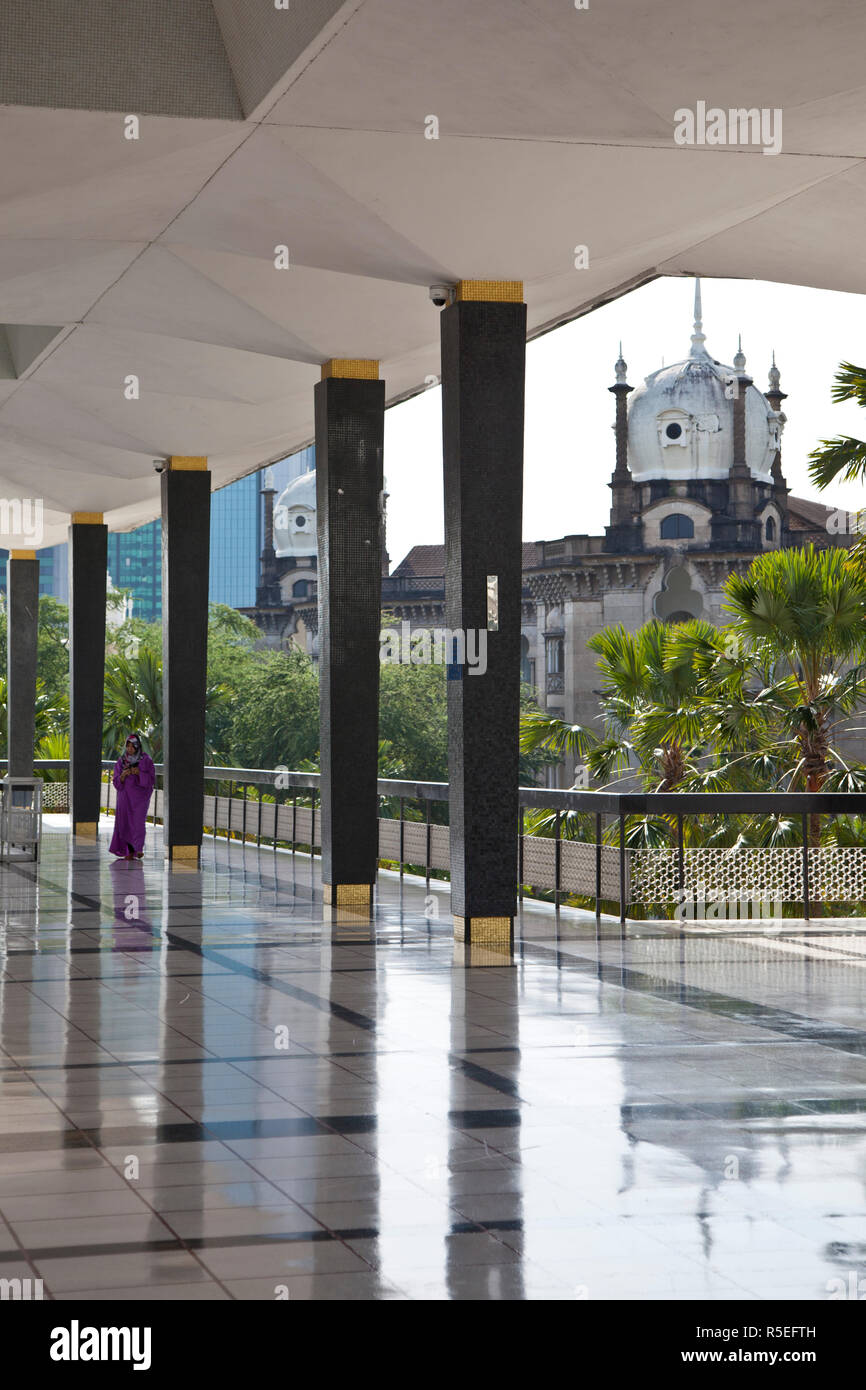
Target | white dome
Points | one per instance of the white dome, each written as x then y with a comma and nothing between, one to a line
295,518
681,421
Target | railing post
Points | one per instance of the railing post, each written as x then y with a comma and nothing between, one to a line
259,827
429,849
244,815
520,828
622,874
557,869
681,858
294,822
598,835
806,904
402,804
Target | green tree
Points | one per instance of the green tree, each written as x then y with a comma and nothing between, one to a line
274,712
757,705
844,455
51,715
52,660
234,653
797,678
133,703
649,699
413,719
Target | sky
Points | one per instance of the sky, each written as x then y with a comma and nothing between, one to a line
569,442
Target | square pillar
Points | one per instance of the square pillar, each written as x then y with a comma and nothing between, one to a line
22,611
185,567
483,361
350,424
88,560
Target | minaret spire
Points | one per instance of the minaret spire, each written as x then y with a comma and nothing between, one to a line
623,533
698,338
775,395
740,356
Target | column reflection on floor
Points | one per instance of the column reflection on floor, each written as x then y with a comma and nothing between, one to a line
348,1203
174,1176
486,1243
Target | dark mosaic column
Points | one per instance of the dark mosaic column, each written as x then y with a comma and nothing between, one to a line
185,565
88,559
350,408
483,358
22,608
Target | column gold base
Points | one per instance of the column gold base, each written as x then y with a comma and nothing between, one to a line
345,925
184,853
483,940
354,895
86,829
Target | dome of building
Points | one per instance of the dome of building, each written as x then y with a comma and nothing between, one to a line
295,518
681,421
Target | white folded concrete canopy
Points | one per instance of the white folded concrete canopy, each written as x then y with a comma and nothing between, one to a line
311,127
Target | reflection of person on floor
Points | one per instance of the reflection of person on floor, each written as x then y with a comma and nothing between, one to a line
133,930
134,776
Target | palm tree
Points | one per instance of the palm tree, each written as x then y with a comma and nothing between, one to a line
54,748
650,722
844,455
753,706
133,702
50,714
783,680
802,617
651,728
650,699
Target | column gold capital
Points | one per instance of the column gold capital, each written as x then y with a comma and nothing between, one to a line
353,368
492,291
22,555
187,463
88,519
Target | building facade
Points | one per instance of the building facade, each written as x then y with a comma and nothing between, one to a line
697,491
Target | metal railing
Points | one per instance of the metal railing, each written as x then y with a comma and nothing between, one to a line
594,868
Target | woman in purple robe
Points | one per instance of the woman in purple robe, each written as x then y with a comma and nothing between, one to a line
134,776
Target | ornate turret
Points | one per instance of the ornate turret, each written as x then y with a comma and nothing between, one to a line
268,589
775,395
624,532
701,433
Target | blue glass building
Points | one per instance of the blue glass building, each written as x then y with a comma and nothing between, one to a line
53,572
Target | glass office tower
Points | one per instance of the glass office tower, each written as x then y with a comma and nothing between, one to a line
53,572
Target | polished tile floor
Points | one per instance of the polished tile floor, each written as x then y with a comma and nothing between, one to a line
209,1092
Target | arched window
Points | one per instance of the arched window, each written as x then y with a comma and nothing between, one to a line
300,588
555,652
770,529
677,527
527,665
